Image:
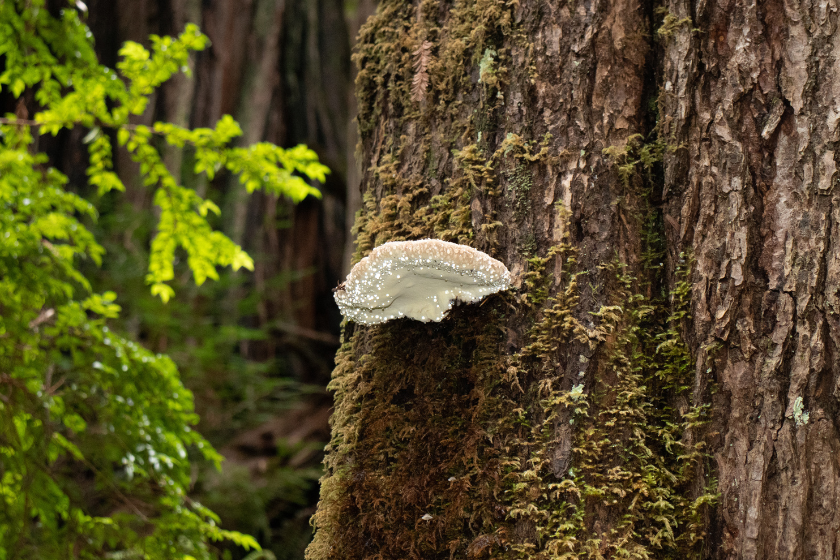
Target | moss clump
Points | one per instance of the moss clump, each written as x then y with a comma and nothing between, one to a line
473,31
671,24
519,183
416,456
628,486
445,119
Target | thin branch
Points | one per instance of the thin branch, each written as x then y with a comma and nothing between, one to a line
20,122
32,122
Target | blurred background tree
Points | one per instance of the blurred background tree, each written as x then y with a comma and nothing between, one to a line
255,348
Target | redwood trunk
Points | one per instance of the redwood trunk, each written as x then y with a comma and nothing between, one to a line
753,97
660,383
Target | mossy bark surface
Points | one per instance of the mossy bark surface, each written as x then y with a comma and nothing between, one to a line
556,419
660,384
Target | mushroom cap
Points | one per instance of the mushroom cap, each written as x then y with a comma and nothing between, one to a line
419,280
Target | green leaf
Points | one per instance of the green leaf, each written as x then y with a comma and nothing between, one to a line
17,87
209,205
74,422
242,259
65,444
164,291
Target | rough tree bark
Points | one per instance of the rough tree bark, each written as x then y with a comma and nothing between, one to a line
753,98
661,383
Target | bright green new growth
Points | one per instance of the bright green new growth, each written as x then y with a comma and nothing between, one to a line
95,434
56,59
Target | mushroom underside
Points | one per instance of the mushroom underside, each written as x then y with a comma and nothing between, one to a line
423,294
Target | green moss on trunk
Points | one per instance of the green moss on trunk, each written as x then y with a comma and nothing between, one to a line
523,427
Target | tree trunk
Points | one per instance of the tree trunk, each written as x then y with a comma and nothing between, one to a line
660,382
753,99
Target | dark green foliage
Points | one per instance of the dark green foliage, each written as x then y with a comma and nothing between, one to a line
96,432
76,397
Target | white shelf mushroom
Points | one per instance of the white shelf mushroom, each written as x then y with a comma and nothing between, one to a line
418,279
